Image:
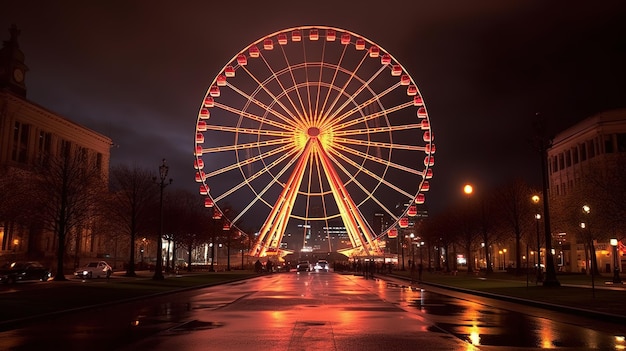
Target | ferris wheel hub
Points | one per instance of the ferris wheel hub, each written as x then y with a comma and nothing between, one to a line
313,132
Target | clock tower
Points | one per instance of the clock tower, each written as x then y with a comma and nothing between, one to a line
12,67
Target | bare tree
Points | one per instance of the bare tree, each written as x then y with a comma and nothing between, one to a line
131,200
68,188
513,200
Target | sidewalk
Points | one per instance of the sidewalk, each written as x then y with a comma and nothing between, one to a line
576,294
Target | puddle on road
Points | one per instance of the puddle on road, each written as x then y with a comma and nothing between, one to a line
196,325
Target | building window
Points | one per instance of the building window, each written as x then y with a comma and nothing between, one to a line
583,152
44,147
591,149
568,158
561,162
99,162
65,148
608,144
575,155
621,142
21,132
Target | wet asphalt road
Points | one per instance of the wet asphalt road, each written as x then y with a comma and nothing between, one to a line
315,311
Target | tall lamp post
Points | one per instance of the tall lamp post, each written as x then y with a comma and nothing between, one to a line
158,270
536,199
616,277
16,243
583,225
468,190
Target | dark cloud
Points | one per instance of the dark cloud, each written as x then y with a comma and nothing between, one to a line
137,71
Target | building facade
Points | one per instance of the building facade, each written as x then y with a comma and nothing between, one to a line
29,134
590,149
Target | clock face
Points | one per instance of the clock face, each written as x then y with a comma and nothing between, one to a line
18,75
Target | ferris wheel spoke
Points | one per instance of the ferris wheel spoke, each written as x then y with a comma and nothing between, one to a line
351,97
292,118
254,117
342,91
305,116
260,172
249,160
256,144
335,119
378,159
376,177
260,194
296,115
383,129
332,82
369,143
240,130
288,120
369,194
349,123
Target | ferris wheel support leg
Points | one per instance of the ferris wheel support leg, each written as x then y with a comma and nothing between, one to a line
274,227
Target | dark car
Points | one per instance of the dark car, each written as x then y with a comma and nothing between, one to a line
14,272
303,266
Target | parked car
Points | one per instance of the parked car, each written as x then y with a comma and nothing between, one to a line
303,266
95,269
14,272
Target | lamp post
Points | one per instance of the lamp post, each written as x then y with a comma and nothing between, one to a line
468,190
536,199
583,225
500,253
402,249
16,243
616,277
504,259
412,236
158,270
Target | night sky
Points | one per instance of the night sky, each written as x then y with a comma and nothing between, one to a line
137,71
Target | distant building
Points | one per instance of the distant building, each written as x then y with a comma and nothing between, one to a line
28,134
587,149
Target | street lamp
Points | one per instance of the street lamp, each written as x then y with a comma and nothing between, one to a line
16,243
158,270
536,199
468,189
616,277
586,211
504,259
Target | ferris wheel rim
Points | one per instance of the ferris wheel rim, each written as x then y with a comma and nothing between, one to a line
288,31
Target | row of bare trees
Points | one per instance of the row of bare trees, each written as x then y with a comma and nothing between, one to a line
505,216
68,197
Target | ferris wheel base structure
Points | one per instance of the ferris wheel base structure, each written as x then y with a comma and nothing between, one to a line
310,127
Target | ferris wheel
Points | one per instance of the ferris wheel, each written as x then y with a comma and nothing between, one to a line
312,128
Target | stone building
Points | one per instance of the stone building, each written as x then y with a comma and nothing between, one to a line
587,151
28,134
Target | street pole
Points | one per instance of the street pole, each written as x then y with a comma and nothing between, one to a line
616,277
158,270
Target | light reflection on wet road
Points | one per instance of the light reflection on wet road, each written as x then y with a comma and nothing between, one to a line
313,311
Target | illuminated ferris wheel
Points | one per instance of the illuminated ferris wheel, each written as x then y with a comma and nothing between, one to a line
312,128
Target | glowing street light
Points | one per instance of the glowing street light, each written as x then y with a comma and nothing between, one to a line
468,189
